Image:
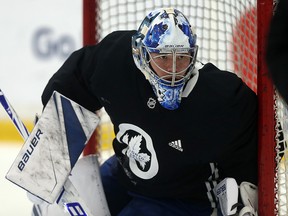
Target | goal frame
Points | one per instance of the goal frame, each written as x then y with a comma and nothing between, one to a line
266,117
265,92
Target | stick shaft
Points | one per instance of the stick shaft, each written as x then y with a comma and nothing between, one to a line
13,116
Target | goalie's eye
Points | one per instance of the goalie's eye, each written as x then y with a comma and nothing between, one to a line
162,57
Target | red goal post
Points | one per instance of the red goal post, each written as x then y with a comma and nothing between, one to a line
231,34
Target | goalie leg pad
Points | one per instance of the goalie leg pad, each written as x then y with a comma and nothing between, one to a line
86,179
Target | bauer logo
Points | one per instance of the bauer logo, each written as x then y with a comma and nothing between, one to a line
30,149
75,209
221,189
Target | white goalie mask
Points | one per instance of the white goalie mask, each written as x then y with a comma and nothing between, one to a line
164,49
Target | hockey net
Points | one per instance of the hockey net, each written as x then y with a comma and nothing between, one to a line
232,35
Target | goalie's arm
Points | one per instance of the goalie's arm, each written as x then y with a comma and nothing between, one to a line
72,80
239,158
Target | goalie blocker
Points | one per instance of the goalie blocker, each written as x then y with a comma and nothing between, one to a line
50,152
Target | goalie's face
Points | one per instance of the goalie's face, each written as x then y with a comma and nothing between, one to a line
168,73
170,66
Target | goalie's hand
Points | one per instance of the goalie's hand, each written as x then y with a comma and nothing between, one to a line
227,193
249,197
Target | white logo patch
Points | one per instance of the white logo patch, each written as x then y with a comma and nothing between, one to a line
140,150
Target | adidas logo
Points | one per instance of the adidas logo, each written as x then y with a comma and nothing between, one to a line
176,144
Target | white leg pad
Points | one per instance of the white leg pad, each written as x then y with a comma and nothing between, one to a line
86,179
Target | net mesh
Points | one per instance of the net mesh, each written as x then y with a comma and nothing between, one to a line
227,36
281,159
219,26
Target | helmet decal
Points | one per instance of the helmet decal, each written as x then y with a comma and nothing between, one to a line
154,35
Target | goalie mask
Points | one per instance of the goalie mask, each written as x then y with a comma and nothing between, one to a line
164,49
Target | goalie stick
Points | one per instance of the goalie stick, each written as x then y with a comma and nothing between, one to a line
69,198
13,116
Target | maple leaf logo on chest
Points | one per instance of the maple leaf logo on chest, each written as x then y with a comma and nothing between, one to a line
136,149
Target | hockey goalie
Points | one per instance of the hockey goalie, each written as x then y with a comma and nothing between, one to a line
182,127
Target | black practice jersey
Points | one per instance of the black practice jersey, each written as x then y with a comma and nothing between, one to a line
178,153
